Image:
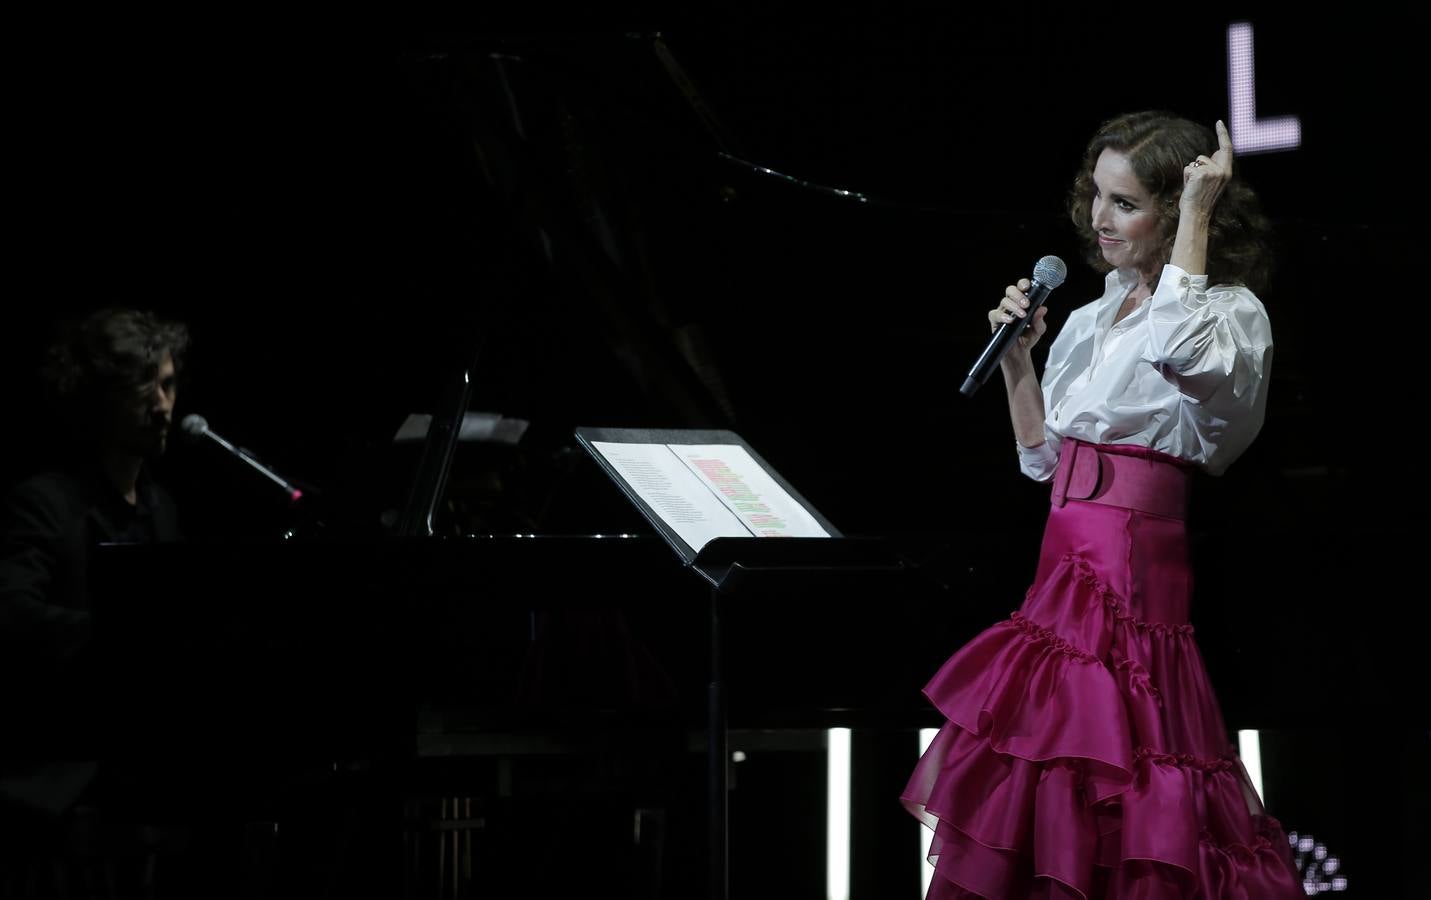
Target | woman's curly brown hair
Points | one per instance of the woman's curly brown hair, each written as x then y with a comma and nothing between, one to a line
1158,145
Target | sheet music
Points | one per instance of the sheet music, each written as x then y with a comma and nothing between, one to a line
706,491
748,491
663,481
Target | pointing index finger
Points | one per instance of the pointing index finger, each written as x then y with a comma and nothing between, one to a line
1224,140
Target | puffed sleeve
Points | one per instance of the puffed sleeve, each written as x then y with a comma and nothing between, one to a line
1215,345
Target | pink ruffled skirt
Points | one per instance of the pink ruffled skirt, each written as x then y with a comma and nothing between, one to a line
1085,754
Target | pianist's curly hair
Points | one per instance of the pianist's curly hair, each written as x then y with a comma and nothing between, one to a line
1158,144
110,349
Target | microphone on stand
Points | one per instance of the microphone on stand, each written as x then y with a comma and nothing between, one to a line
198,427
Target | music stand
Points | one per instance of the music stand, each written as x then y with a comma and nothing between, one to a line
729,562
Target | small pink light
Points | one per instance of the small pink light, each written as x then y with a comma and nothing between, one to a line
297,495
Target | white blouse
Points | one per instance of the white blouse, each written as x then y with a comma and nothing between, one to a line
1185,373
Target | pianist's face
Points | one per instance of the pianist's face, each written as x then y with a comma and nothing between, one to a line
139,415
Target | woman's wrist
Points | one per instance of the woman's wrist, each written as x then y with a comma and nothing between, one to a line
1017,361
1197,216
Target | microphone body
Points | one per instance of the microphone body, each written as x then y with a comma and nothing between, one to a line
1048,274
196,427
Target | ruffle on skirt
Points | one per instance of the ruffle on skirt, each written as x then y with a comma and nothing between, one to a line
1084,757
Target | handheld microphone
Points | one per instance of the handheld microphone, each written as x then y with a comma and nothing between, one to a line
1047,275
197,427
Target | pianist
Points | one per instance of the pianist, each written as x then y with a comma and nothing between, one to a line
111,381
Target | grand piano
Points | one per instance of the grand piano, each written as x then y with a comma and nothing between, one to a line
337,684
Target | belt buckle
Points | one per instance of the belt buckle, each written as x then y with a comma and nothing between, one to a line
1064,470
1080,471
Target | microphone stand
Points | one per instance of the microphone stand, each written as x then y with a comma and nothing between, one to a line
294,493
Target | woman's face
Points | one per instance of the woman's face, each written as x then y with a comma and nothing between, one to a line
1123,216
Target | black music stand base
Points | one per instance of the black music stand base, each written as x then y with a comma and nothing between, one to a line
729,564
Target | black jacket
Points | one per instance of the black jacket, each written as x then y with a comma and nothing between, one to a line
49,687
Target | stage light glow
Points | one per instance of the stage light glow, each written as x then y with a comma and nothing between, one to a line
837,816
1249,749
926,836
1249,133
1316,863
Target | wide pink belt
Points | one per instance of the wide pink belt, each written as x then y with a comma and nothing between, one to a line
1122,475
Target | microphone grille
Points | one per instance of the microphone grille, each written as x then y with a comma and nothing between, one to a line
193,425
1050,271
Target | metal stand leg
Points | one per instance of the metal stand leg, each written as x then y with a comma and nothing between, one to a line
718,759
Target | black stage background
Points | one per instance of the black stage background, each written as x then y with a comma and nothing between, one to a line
341,212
